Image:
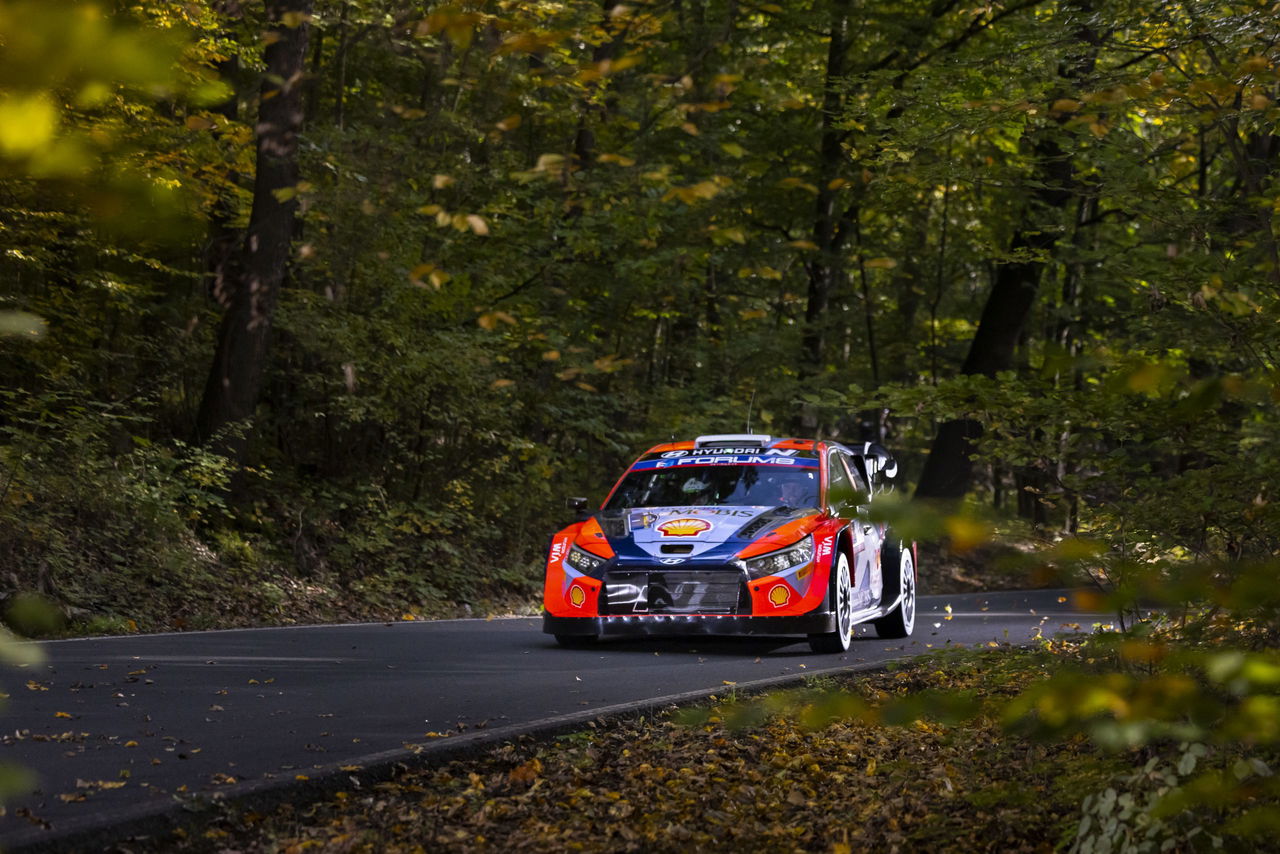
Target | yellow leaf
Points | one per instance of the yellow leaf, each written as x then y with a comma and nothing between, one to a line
490,320
1148,378
798,183
803,244
705,189
441,181
497,384
690,128
292,20
131,743
510,123
965,533
880,263
27,123
551,355
416,274
837,183
526,773
549,163
408,617
1088,600
199,123
615,158
478,225
733,149
460,34
1065,105
61,715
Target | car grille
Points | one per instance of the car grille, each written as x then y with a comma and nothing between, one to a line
654,591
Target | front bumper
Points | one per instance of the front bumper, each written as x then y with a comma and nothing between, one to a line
647,625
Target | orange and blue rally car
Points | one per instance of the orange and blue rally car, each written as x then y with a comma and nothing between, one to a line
739,535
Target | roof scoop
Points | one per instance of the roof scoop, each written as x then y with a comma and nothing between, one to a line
733,440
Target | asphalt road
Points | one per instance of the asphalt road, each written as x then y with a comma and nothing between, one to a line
119,728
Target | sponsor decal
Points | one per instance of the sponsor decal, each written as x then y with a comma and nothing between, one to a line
671,455
727,460
672,561
771,452
779,595
558,549
824,548
684,527
577,596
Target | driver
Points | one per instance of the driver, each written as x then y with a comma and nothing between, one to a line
796,493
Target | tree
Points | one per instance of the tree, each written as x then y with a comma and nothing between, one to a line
250,294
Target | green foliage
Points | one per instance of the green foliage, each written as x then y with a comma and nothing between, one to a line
536,236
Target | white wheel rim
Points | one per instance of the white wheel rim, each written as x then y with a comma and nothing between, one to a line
908,591
844,600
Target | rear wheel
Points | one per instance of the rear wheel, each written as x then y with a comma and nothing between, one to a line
900,585
842,602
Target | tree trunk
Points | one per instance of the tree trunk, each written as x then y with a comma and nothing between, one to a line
235,381
948,470
829,225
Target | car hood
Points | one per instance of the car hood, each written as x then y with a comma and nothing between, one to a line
671,534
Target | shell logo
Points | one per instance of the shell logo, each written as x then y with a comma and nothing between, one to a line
577,596
684,527
779,595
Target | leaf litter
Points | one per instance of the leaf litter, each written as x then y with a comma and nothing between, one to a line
810,770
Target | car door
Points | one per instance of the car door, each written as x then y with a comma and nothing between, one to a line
843,501
872,535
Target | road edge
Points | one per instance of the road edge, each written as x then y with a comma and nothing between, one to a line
141,821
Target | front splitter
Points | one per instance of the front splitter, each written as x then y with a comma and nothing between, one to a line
644,625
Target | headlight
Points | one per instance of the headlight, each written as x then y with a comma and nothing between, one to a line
584,561
776,563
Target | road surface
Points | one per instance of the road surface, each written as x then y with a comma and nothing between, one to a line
116,729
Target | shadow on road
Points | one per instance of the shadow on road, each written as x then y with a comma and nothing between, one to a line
704,646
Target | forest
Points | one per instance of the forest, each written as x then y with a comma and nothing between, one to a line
319,309
482,254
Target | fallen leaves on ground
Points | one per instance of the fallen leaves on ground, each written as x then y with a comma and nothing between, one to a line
659,784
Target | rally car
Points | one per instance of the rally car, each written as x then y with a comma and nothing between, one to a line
735,534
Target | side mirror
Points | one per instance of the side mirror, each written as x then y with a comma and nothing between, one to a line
579,508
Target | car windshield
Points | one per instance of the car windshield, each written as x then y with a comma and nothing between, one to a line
755,486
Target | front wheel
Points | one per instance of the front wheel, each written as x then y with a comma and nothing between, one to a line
842,600
902,587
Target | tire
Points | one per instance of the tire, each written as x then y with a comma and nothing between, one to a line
899,622
576,641
842,602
